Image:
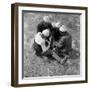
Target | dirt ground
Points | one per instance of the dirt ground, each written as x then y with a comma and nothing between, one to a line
36,67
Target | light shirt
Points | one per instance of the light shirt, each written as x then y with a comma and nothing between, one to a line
41,41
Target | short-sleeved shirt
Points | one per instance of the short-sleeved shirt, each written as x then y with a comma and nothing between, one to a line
41,42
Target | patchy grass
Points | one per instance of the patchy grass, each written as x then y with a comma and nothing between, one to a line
35,66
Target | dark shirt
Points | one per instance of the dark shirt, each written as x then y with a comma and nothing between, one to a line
55,33
44,25
65,42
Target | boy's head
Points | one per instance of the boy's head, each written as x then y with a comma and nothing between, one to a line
63,28
47,18
46,32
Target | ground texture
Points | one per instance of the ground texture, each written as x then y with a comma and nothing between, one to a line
36,67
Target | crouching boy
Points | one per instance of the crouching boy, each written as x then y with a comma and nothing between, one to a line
42,43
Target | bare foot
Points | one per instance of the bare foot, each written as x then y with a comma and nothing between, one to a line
64,60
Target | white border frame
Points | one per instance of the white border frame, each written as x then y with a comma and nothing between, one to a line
64,78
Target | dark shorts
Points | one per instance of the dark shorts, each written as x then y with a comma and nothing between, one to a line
38,51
